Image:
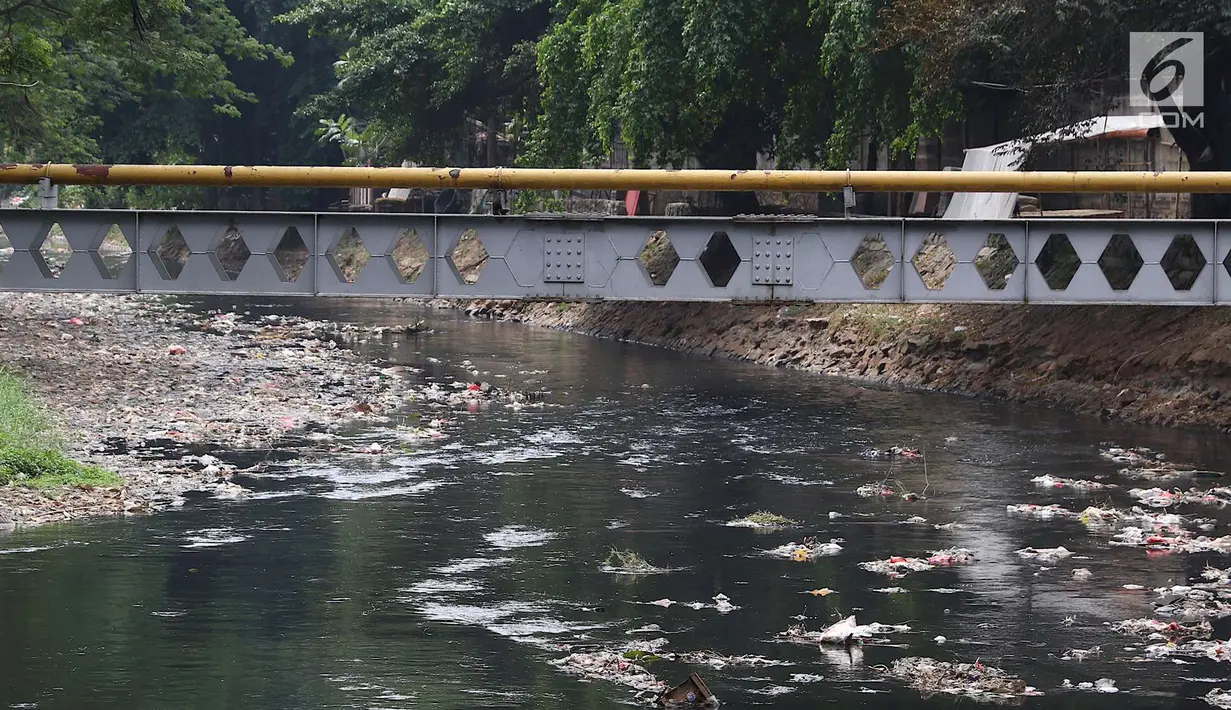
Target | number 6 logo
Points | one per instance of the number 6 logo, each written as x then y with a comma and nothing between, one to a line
1157,66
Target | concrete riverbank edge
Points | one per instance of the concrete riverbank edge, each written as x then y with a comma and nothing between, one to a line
148,388
1168,366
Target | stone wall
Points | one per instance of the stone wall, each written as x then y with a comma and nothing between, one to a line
1168,366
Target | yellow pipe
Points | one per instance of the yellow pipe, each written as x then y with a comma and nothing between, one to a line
548,179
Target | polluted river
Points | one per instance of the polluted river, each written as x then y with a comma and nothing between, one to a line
578,544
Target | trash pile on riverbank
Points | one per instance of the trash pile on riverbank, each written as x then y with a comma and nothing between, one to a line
141,384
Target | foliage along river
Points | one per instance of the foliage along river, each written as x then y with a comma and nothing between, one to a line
440,578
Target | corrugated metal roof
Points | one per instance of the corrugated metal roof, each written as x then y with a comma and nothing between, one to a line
1011,154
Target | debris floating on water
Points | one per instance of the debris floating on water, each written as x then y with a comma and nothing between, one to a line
951,557
1159,498
1102,685
762,519
616,666
893,452
692,692
1143,463
974,680
1049,481
1171,631
896,567
718,661
807,550
1044,554
628,562
1081,654
1040,512
845,631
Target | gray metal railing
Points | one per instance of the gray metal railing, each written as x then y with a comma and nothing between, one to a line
622,258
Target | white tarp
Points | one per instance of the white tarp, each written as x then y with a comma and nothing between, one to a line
1010,156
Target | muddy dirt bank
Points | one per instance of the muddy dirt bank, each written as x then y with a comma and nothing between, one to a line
1155,365
152,391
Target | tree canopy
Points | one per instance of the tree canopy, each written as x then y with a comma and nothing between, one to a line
715,80
1063,60
67,64
419,69
566,81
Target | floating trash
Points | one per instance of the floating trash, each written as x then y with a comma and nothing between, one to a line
952,557
808,550
843,632
1080,654
1049,481
718,661
1159,498
1102,685
1170,631
772,690
1044,554
974,680
692,692
762,519
893,452
1209,599
896,567
1040,512
1143,463
618,667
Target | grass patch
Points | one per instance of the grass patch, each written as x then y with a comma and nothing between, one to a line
22,421
764,518
31,453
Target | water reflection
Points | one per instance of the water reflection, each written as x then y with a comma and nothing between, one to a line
445,576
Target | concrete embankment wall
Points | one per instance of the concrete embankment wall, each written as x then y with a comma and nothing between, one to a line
1157,365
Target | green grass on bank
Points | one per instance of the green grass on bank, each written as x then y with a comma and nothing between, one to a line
31,454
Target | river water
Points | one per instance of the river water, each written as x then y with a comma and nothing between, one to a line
443,576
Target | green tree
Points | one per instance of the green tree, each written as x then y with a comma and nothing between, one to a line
716,80
159,125
419,70
1062,61
66,64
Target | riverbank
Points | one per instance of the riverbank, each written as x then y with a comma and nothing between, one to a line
1152,365
173,401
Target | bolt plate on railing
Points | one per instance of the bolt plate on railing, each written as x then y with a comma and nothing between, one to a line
771,261
564,259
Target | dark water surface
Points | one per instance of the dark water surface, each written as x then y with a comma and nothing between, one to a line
441,577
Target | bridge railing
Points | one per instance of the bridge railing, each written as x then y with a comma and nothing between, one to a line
626,258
